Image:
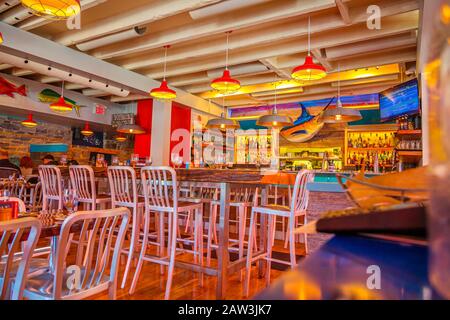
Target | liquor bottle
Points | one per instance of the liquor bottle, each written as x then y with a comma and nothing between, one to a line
350,142
359,144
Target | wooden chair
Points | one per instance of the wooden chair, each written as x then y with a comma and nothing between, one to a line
11,242
52,186
297,209
94,268
83,182
124,193
161,195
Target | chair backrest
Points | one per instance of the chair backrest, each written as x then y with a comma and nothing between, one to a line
122,183
83,182
300,195
97,259
160,187
15,187
52,185
6,172
36,201
13,234
21,205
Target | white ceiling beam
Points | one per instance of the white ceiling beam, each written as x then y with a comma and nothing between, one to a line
19,72
8,4
47,79
84,67
5,66
95,93
355,49
271,63
131,97
343,10
389,77
15,15
130,18
74,86
318,54
223,8
272,11
391,26
245,81
36,22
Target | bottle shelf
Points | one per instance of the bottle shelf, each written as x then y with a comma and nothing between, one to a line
371,149
409,132
410,153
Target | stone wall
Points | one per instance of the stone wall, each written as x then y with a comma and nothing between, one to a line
16,139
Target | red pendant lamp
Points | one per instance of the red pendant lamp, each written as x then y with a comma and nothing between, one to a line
53,9
87,132
163,92
29,122
61,106
309,70
226,84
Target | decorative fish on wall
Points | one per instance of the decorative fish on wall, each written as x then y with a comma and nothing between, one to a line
305,127
7,88
50,96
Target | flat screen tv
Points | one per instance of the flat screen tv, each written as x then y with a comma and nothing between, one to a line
401,100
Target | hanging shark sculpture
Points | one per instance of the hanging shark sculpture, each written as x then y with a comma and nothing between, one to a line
305,127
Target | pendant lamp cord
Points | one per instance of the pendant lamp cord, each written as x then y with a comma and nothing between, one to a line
62,89
275,111
309,36
226,54
339,80
165,62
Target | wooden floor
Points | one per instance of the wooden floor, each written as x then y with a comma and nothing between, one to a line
186,286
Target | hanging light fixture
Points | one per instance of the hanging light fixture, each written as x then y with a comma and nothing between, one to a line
163,92
222,123
120,137
309,70
61,106
29,122
274,120
131,128
340,114
53,9
226,84
87,132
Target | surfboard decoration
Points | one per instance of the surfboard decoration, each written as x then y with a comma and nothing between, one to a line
50,96
305,127
9,89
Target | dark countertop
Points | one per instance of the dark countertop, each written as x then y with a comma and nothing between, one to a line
339,270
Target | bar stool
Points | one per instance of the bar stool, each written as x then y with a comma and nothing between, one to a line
52,186
83,182
241,198
161,195
298,206
122,183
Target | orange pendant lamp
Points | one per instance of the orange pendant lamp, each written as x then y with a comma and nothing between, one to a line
309,70
226,84
61,106
163,92
87,132
53,9
29,122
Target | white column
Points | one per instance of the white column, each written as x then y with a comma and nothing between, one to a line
161,122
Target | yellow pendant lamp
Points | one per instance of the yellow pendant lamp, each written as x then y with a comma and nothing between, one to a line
53,9
163,92
61,106
120,137
226,84
309,70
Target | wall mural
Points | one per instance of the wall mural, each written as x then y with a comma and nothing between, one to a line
50,96
7,88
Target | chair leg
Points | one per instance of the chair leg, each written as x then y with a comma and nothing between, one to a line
199,248
137,272
248,264
209,239
134,231
242,212
270,240
292,242
161,239
172,248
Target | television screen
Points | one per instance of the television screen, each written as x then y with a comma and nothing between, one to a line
400,100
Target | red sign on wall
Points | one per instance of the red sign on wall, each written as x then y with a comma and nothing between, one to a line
100,109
